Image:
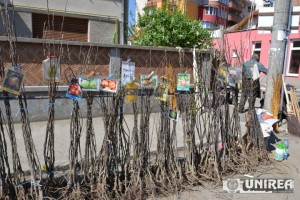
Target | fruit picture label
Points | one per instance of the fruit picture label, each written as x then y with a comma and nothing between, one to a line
132,90
108,85
173,115
183,82
74,90
161,91
128,70
149,81
13,81
89,84
51,68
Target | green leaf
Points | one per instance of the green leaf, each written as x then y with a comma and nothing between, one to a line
161,27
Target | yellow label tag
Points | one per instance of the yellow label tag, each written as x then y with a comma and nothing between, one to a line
132,90
44,167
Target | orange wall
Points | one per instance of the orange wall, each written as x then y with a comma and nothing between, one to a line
189,7
192,10
159,4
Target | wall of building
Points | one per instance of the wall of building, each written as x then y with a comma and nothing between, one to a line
22,21
112,8
216,19
258,31
101,31
192,10
210,18
242,42
105,17
159,4
23,24
248,4
140,5
105,59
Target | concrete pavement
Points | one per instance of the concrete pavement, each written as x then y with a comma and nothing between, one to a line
285,169
288,169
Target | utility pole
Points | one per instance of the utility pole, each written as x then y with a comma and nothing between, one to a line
278,46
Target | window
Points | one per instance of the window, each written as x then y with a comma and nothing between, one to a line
222,13
210,11
207,25
224,1
256,48
296,44
234,53
294,58
74,29
172,8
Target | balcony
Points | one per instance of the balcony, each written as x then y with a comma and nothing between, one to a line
234,18
225,2
236,5
159,3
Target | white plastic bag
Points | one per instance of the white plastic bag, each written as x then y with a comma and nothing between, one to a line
255,73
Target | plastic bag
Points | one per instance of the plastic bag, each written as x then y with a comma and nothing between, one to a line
255,74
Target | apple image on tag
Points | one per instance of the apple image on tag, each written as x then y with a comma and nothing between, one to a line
112,85
104,83
85,83
93,84
183,83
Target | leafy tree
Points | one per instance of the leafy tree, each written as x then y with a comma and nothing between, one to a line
166,27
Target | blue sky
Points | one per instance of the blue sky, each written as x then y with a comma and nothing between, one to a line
131,13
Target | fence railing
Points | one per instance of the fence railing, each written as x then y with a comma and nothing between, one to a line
103,59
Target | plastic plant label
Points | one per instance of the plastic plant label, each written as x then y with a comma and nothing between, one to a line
74,90
51,69
109,85
128,70
150,82
173,115
44,168
89,84
183,82
161,91
13,81
132,90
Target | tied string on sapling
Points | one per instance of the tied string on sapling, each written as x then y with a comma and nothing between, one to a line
22,109
49,150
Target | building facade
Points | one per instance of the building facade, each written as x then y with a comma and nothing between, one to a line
211,13
224,12
139,7
254,36
190,7
214,14
77,20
